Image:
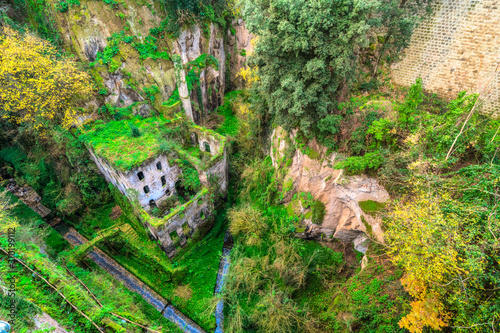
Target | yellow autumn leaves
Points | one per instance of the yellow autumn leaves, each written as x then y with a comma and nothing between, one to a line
426,237
37,85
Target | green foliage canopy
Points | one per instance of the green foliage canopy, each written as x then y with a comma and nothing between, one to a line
308,53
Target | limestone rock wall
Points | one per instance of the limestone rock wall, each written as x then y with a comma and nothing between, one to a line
457,49
189,46
85,30
240,47
340,194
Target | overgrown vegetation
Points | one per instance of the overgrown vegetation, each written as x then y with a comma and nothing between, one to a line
180,12
309,53
318,68
116,142
278,283
48,254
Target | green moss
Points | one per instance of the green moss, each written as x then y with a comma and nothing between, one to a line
112,325
318,212
174,99
313,154
288,185
114,141
368,227
293,208
157,222
371,207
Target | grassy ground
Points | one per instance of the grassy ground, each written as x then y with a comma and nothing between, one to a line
192,287
116,142
34,296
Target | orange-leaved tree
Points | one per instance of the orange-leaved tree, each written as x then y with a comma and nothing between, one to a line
38,87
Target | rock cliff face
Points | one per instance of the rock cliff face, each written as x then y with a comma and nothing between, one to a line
239,46
344,219
139,61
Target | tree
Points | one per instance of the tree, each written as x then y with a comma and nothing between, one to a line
450,258
309,52
38,87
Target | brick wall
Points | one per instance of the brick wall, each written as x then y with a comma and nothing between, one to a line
458,48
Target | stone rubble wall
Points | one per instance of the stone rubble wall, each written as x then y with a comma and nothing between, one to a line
152,178
457,49
184,222
219,170
217,147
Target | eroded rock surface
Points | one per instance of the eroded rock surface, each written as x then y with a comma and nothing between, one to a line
240,46
89,28
344,219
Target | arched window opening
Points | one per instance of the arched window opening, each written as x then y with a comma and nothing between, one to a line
163,181
146,189
167,192
158,165
140,175
207,147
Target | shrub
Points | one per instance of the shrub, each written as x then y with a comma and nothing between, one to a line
246,221
135,131
62,6
359,164
410,106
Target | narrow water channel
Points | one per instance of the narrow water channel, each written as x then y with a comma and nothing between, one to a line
135,285
221,275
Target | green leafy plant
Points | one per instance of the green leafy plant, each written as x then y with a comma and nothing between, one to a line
135,131
62,6
151,91
318,212
359,164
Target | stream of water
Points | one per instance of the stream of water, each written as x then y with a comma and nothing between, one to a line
221,275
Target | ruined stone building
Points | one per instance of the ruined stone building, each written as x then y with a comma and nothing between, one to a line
153,176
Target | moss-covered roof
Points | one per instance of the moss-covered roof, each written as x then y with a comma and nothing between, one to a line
114,142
